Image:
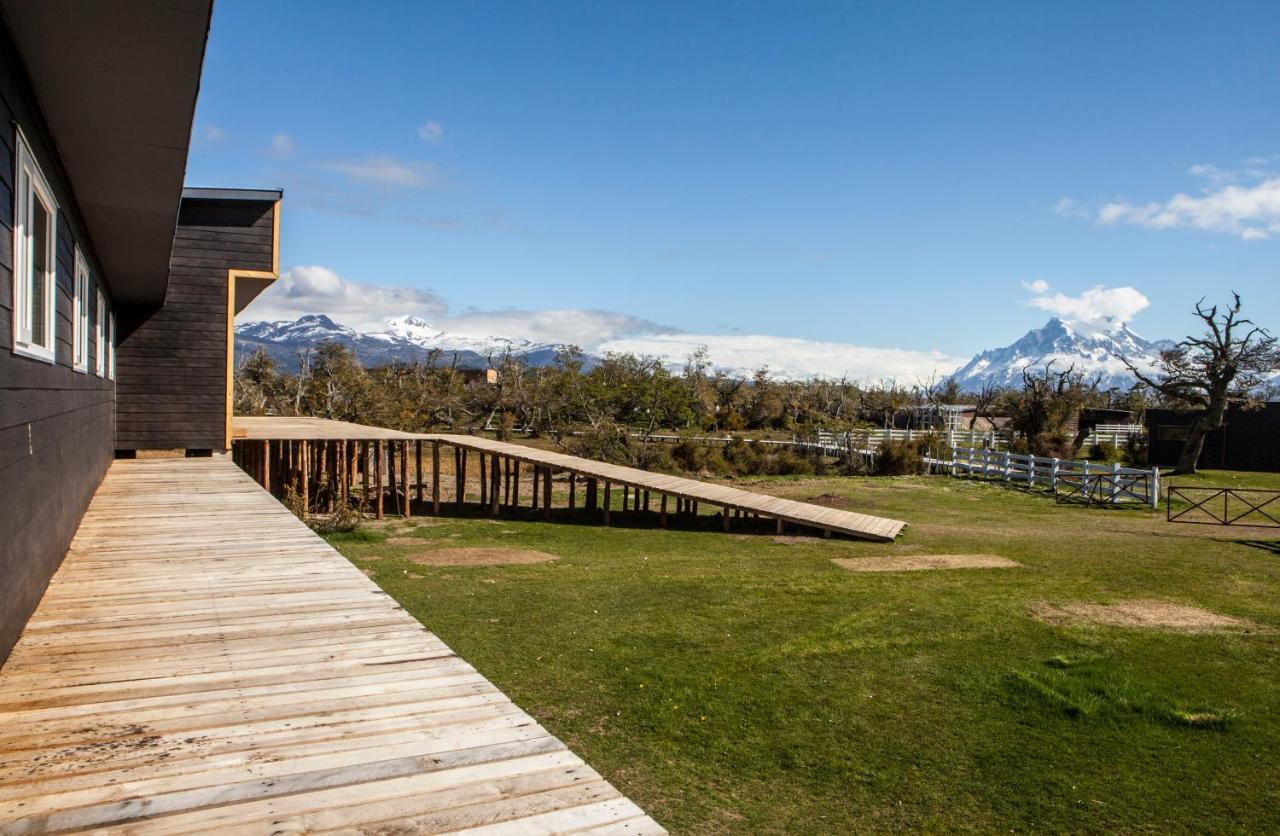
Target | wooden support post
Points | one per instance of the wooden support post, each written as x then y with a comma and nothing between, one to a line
343,479
593,500
435,478
646,500
459,489
393,484
537,477
494,494
404,479
826,534
662,511
546,492
364,474
417,470
484,481
780,526
573,488
506,481
304,478
377,478
608,495
266,465
515,483
724,517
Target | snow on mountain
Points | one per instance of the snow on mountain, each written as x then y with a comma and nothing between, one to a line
402,338
1094,347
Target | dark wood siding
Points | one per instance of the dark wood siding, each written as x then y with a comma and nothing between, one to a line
56,424
172,361
1249,441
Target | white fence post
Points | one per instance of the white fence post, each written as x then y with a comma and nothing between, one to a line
1053,476
1115,476
1005,463
1153,487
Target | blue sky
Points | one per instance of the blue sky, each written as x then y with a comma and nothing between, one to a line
896,175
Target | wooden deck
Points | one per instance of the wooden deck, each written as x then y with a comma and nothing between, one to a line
849,523
204,663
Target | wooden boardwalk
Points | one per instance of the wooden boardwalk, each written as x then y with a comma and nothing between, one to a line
204,663
269,431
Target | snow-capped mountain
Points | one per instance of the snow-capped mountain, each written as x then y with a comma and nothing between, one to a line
402,338
1094,348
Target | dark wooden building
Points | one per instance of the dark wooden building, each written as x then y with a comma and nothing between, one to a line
117,290
1250,440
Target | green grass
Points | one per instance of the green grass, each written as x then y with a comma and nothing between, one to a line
730,683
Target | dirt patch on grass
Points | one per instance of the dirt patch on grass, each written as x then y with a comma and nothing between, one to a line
920,562
830,500
1142,613
406,541
481,556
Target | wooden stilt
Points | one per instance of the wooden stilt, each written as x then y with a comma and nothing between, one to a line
364,474
484,481
266,465
377,478
506,481
826,534
626,493
573,488
724,517
515,483
537,474
662,511
435,478
493,485
393,484
404,479
546,492
779,526
608,490
304,478
417,470
646,500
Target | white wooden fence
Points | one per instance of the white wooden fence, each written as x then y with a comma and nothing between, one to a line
872,439
1117,434
1125,484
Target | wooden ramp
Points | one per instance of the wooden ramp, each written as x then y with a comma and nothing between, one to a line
204,663
269,431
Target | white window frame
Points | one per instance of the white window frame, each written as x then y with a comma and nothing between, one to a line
100,353
80,315
111,345
30,185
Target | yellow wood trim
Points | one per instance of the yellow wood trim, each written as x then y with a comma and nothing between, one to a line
232,275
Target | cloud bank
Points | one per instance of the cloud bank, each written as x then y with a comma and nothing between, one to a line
319,290
384,170
1113,304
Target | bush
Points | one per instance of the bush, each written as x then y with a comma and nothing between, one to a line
344,519
1105,452
900,458
1135,451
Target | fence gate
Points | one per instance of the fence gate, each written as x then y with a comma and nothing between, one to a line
1224,506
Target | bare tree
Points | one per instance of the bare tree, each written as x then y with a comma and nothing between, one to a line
1232,359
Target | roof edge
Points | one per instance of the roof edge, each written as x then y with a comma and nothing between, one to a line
264,195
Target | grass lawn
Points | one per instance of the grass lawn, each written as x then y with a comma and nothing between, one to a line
732,683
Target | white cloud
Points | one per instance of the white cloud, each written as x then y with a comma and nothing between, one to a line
283,145
319,290
432,132
1116,304
789,357
1070,208
1251,212
212,133
385,171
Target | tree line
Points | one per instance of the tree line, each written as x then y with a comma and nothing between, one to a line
607,408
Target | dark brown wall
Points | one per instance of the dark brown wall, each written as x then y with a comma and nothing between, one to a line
1249,441
172,362
56,424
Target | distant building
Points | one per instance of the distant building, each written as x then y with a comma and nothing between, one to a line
1250,440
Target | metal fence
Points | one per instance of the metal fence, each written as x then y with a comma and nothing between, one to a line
1224,506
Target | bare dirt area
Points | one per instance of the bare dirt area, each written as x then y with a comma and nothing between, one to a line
921,562
477,556
1141,613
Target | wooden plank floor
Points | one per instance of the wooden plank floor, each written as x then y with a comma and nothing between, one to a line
204,663
850,523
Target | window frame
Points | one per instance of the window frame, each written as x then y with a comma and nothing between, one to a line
100,330
111,344
80,315
30,184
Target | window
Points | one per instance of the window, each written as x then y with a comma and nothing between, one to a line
111,345
34,234
80,316
99,360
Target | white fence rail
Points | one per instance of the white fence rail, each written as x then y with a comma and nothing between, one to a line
1117,434
952,438
1124,484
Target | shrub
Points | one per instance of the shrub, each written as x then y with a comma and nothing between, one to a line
900,458
1105,451
345,518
